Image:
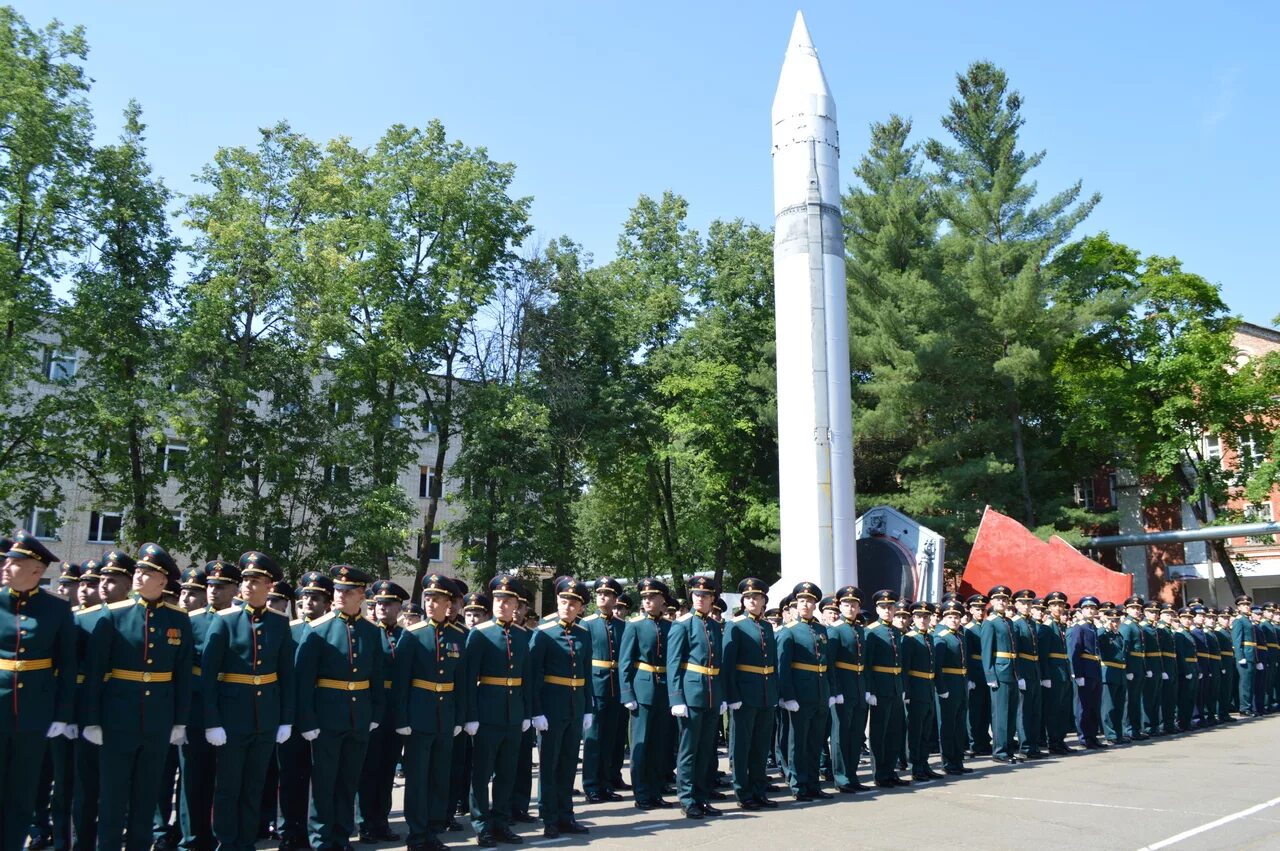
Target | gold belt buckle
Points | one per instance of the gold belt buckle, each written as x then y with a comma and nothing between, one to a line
257,680
19,665
146,676
351,686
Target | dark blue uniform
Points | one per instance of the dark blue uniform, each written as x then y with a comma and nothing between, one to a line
1086,670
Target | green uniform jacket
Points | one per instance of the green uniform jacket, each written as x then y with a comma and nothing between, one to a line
36,630
973,653
1185,647
1030,664
1225,648
391,636
1244,639
339,674
200,620
999,650
750,662
950,676
643,660
499,682
428,679
606,644
139,678
560,670
1135,661
1054,661
693,661
806,662
1151,646
883,672
1168,650
917,665
1113,652
247,671
85,621
849,642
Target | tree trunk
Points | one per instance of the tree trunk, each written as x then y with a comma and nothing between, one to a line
442,414
1020,458
1219,545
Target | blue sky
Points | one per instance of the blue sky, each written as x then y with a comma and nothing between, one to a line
1168,109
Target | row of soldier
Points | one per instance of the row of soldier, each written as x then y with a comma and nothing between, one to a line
458,689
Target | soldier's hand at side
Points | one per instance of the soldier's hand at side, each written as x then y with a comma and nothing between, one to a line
525,725
283,732
178,735
216,736
831,701
1164,675
1259,666
680,710
1149,674
457,730
56,729
907,701
1128,676
1199,676
587,720
1079,681
1189,676
736,705
993,686
971,686
93,734
311,735
72,732
373,725
1022,685
944,695
791,705
471,727
408,731
539,723
871,699
724,707
1244,662
631,706
840,699
1046,684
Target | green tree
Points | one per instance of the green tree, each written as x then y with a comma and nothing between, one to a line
121,294
45,128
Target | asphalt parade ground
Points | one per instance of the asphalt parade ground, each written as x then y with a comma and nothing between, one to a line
1212,789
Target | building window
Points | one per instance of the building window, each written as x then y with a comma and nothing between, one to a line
1084,493
59,364
1250,449
431,426
336,474
1111,490
1259,513
427,484
396,421
175,457
104,527
175,525
43,523
1213,448
433,552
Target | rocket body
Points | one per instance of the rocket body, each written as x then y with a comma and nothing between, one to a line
815,431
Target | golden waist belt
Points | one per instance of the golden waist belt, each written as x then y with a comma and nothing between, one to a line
509,682
653,669
885,669
247,679
25,664
571,682
1030,657
195,670
700,669
439,688
849,666
1114,664
1059,656
603,663
924,675
343,685
805,666
763,670
141,676
1000,654
960,672
1092,657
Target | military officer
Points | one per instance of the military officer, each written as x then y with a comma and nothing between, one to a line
979,709
1057,668
312,599
1004,679
694,653
471,610
52,824
883,677
1188,668
805,682
37,677
1154,668
1165,619
749,671
642,675
951,677
601,756
280,596
1208,654
1244,640
249,696
1271,619
340,680
1113,653
849,717
96,591
1228,681
563,704
499,709
428,690
145,646
377,777
919,693
1135,672
1031,677
1086,670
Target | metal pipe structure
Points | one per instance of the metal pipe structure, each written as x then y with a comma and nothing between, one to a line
815,411
1182,536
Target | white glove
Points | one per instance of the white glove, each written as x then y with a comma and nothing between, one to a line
1244,662
1198,676
1189,676
1128,676
907,701
1046,684
283,732
1149,674
216,736
631,706
471,727
311,735
525,725
92,734
1079,681
56,729
457,730
373,725
723,707
993,686
539,723
840,699
871,699
791,705
831,701
408,731
72,732
1259,666
971,686
1022,685
944,695
587,720
1164,675
680,710
736,705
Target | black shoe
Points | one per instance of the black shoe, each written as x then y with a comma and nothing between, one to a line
821,795
1034,755
520,817
645,805
691,812
506,834
804,797
1008,759
933,774
708,810
850,788
954,772
452,826
899,781
921,776
610,795
551,832
485,839
596,798
766,804
713,795
886,784
618,784
367,837
573,826
983,751
386,835
749,804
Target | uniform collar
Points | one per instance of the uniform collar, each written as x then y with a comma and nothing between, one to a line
350,618
24,595
435,624
503,624
564,624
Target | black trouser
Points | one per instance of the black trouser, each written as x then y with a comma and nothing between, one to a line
41,820
237,790
557,765
751,735
697,752
848,731
495,752
269,814
888,718
377,777
426,784
337,756
803,746
600,747
131,770
294,757
460,775
952,733
84,796
198,761
1089,709
522,789
19,753
650,742
63,753
979,717
160,827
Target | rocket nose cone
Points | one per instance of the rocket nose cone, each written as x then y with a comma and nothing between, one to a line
800,39
802,86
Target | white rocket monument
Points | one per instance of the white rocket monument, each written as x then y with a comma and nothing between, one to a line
815,430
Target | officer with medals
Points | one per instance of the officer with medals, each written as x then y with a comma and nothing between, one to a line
1086,670
805,685
951,677
498,710
1113,653
428,689
601,756
340,697
563,705
37,676
849,717
694,653
883,677
377,777
642,681
979,696
249,699
312,599
138,693
749,671
919,693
